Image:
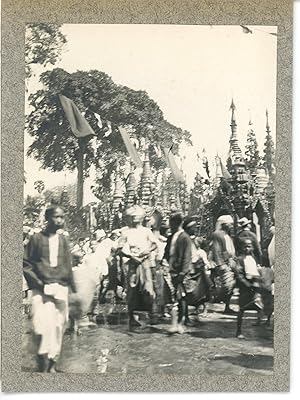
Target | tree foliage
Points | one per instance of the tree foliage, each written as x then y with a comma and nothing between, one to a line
252,153
39,186
56,147
43,45
269,155
32,209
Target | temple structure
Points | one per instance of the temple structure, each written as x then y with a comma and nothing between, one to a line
146,184
131,188
243,186
244,189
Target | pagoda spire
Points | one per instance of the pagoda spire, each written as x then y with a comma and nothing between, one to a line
146,180
164,193
114,221
232,108
233,142
118,192
250,118
269,151
131,187
268,130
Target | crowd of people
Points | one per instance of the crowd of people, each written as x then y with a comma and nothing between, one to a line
162,268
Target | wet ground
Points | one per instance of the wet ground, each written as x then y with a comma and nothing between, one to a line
208,347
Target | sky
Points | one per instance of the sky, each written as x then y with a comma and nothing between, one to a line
192,72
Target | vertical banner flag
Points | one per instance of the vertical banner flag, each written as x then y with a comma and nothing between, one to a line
170,159
79,125
225,173
130,147
205,163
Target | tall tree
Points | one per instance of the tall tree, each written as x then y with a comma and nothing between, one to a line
39,186
269,155
43,45
32,209
57,148
252,153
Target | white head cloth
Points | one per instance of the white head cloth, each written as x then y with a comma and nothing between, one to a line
223,219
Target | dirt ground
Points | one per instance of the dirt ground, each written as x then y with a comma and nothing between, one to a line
208,347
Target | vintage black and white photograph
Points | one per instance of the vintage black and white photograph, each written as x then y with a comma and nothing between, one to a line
149,199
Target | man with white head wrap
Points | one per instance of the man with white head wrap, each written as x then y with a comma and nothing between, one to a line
223,255
136,244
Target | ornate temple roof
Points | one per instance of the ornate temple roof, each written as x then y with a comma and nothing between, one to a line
234,146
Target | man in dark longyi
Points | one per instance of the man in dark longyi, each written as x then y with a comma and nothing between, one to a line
179,258
223,256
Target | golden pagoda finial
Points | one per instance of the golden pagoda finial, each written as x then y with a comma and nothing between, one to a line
268,130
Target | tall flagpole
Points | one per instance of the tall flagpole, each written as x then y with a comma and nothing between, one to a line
80,180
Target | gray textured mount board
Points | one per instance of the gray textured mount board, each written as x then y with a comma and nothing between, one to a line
203,12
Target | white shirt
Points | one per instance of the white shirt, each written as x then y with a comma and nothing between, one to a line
94,265
100,256
161,244
137,240
53,249
229,245
271,251
250,267
198,254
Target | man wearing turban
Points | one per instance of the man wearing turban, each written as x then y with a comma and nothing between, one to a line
136,243
223,256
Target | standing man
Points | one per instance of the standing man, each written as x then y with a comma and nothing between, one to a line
48,272
179,256
223,256
136,243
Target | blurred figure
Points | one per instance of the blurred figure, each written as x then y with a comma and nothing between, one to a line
88,278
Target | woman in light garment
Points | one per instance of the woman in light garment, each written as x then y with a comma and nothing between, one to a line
48,272
137,243
88,277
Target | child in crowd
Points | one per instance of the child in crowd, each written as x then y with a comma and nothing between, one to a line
248,282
